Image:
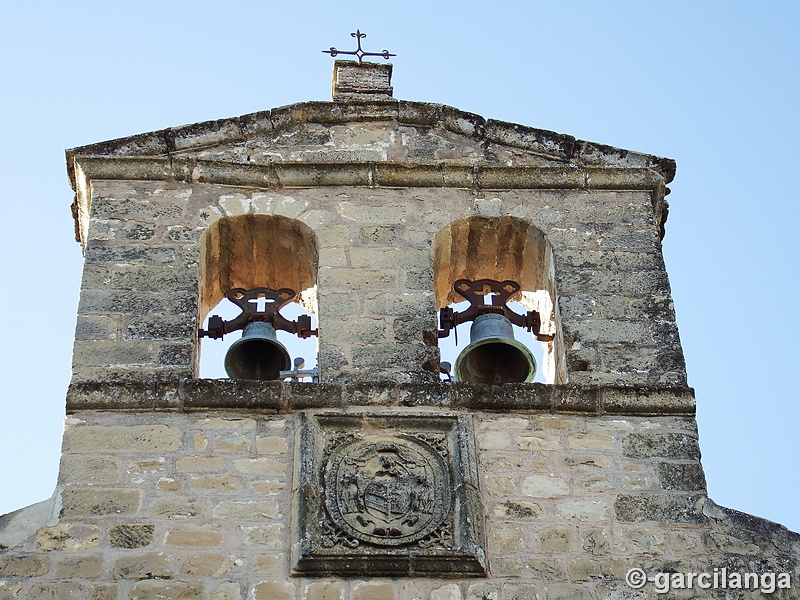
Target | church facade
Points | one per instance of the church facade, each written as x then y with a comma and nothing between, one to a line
378,477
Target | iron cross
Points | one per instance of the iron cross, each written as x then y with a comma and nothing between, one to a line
359,53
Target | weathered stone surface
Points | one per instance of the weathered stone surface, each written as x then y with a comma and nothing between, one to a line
667,445
90,502
90,469
55,591
275,590
686,477
208,565
154,589
651,507
227,591
138,438
252,509
23,565
373,591
80,567
193,535
143,566
325,590
68,537
133,535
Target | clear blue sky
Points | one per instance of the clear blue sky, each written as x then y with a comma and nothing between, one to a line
713,85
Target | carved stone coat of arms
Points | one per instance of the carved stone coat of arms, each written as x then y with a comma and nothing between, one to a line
388,495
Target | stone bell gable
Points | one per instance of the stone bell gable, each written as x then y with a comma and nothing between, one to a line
379,479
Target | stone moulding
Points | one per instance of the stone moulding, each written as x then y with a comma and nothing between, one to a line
204,394
389,495
176,154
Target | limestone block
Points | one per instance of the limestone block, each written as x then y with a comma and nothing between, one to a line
96,502
675,446
545,486
269,564
131,535
23,565
103,591
659,507
450,591
217,483
271,445
89,470
568,591
232,444
582,510
349,279
523,591
538,441
483,591
200,464
68,537
268,487
154,589
227,591
227,423
55,591
178,507
9,590
271,536
275,590
127,440
325,590
80,567
143,566
595,542
556,539
373,591
500,486
371,258
686,477
516,509
260,466
505,540
194,535
582,462
591,441
548,569
253,509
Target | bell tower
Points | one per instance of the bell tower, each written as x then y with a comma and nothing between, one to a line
557,454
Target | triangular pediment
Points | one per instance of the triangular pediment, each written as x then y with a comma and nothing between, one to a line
393,133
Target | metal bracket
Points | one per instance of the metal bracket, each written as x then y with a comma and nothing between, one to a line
474,292
259,304
359,53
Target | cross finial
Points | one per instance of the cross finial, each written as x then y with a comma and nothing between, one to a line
359,53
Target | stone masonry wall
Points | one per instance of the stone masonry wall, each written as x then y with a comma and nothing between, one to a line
198,505
139,301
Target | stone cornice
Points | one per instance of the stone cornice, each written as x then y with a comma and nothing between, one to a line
226,394
554,146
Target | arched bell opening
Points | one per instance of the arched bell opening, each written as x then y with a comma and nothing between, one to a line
500,266
259,278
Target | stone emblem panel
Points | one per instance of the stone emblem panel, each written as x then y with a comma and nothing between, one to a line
387,495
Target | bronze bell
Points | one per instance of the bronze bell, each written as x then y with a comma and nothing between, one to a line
257,354
493,355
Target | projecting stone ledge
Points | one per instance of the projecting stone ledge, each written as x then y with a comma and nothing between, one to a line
200,394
